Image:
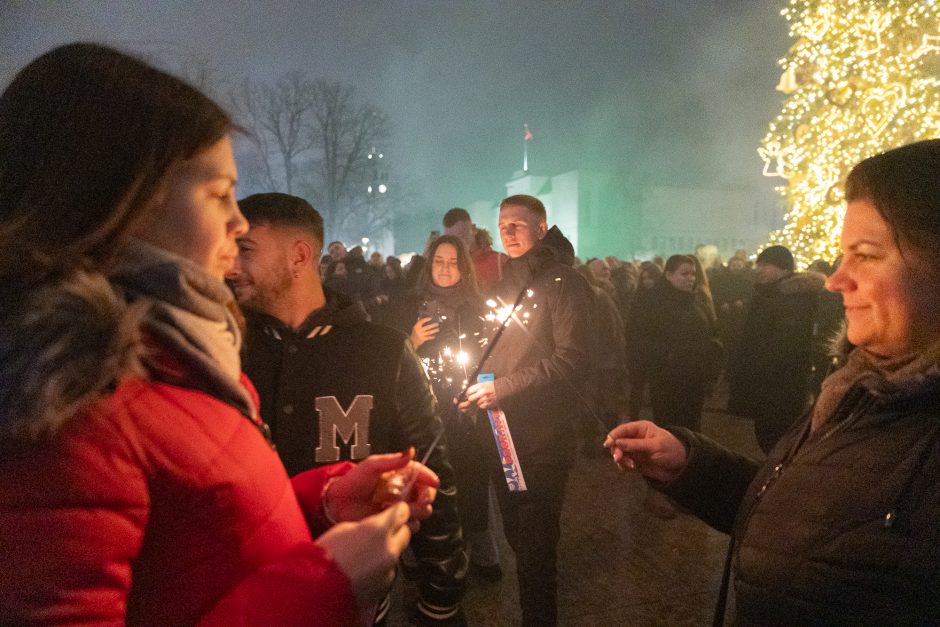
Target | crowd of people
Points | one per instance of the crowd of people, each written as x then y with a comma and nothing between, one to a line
204,419
672,330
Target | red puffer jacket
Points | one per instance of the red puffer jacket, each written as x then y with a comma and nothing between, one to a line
159,505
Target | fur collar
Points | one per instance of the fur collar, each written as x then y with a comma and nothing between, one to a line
62,345
925,379
797,283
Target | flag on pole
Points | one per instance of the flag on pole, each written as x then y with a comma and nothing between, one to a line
525,148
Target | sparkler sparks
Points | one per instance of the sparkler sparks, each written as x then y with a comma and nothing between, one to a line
503,314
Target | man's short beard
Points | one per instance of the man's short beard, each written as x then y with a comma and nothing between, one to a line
266,294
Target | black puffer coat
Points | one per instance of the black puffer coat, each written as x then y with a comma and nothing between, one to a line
839,526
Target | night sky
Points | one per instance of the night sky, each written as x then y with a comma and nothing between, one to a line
661,92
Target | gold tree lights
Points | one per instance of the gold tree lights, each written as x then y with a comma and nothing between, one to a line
862,77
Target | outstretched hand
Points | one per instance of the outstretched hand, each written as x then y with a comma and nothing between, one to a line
361,492
650,450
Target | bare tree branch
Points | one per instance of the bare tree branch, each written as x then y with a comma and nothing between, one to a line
313,138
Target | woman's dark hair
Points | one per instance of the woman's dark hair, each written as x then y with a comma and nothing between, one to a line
904,186
395,268
703,289
673,263
468,275
87,137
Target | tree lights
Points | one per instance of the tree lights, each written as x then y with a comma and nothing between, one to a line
861,78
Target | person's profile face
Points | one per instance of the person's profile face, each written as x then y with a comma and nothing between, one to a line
200,219
890,305
519,229
262,274
768,272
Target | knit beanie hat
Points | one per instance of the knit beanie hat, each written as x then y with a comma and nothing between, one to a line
779,256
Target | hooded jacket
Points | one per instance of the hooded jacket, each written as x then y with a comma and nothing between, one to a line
774,357
838,526
126,500
340,388
542,361
672,331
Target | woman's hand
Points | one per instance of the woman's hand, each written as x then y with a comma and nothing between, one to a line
367,551
353,496
423,331
647,449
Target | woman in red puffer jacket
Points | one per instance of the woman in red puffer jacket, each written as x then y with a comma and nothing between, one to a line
136,482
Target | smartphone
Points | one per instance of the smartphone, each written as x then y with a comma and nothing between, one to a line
429,309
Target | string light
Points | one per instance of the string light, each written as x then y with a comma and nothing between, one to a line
863,76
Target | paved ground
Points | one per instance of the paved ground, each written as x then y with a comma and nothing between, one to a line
618,564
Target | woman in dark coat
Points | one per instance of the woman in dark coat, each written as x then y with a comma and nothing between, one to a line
448,327
639,358
676,333
839,525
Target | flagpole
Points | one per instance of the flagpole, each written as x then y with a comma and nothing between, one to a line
525,149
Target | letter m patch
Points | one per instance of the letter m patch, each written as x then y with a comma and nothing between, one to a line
351,427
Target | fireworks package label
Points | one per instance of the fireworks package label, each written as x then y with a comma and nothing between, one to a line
504,445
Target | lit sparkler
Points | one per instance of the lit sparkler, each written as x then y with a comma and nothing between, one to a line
490,344
504,314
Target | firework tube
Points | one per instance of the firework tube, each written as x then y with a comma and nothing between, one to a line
508,458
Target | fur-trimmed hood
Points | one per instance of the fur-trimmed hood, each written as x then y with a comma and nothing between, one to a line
924,378
797,283
61,345
838,344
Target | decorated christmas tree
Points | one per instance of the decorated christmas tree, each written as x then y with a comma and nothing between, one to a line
861,78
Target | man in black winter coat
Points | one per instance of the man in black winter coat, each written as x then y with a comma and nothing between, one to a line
770,372
334,386
540,366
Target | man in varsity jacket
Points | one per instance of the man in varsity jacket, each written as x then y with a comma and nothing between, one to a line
334,386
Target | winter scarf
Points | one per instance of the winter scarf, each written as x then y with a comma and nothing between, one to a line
452,297
190,318
882,374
